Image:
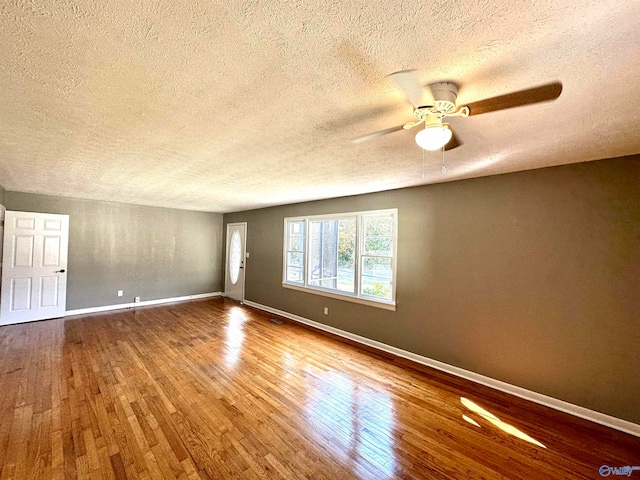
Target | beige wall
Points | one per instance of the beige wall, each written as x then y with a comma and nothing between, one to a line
148,252
532,278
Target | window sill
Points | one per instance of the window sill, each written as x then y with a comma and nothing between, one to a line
348,298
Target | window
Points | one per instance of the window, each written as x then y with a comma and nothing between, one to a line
295,252
351,256
377,256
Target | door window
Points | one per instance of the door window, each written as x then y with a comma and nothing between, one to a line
235,250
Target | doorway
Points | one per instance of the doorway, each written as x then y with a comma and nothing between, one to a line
235,265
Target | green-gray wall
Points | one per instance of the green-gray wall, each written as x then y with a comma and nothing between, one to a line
532,278
1,195
148,252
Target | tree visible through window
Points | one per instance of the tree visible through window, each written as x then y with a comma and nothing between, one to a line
377,256
350,254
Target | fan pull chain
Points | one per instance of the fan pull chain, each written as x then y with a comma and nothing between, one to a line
443,169
423,163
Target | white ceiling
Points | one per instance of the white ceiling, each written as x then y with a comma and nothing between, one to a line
226,106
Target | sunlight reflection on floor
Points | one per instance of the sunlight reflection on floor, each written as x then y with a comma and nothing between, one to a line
357,421
235,336
510,429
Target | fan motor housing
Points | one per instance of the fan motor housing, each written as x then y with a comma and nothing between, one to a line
445,95
444,101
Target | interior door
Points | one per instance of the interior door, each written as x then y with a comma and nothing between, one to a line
34,266
236,254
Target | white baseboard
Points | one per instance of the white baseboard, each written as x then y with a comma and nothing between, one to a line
561,405
120,306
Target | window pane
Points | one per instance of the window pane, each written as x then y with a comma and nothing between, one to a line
296,228
296,244
329,241
378,246
294,274
376,267
315,251
376,287
378,226
295,259
347,255
332,254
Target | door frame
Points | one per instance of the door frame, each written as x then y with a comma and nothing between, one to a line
244,257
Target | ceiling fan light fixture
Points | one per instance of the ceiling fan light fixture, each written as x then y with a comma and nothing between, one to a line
434,137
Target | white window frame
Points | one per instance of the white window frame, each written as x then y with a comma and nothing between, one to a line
355,297
287,251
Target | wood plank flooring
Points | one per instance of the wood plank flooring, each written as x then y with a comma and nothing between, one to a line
210,389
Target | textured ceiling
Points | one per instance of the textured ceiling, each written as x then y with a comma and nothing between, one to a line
226,106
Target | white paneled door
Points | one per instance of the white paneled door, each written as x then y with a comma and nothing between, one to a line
34,266
236,254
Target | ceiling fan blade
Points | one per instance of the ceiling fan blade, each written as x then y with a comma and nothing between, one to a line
409,125
543,93
453,143
408,82
379,133
353,118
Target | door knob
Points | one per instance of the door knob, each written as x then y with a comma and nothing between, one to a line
60,271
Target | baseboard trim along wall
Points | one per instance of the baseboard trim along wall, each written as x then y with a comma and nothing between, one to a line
120,306
561,405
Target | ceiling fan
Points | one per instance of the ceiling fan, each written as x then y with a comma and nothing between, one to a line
433,102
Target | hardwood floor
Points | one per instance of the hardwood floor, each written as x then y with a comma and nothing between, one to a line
210,389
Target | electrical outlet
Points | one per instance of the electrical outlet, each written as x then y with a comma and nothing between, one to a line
136,300
120,293
326,310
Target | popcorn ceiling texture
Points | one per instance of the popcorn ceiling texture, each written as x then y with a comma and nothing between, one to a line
226,106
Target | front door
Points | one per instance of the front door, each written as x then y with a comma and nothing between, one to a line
34,266
236,254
